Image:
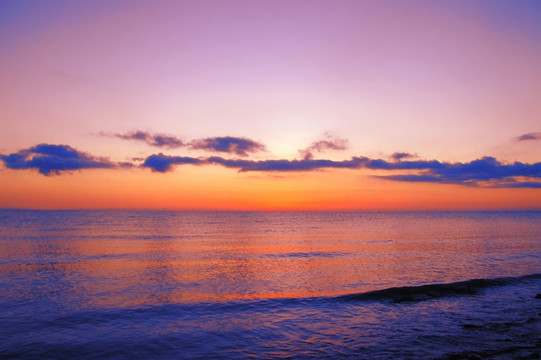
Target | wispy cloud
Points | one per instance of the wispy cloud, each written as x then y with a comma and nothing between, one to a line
399,156
530,136
233,145
227,144
53,159
328,143
157,140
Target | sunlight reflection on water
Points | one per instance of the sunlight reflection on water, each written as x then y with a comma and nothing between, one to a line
258,277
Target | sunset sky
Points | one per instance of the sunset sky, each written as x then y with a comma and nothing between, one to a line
318,105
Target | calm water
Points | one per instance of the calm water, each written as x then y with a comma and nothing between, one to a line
149,284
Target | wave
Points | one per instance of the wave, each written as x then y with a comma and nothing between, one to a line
395,295
433,291
405,294
185,312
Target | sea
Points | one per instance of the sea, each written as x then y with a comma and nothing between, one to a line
270,285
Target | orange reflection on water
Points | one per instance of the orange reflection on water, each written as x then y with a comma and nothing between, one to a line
119,259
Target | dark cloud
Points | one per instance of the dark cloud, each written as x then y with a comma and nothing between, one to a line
157,140
379,164
163,163
530,136
329,143
516,184
52,159
398,156
412,178
233,145
485,172
285,165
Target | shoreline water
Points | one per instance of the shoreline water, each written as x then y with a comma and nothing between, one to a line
269,285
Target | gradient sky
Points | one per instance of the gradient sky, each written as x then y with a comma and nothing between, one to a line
149,101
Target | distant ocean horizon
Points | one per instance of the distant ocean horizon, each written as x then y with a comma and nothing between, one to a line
397,210
429,284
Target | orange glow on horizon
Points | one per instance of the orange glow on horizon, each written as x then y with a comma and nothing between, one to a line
214,188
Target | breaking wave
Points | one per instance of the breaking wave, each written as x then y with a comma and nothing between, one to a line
432,291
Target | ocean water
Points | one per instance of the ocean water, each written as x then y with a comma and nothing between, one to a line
200,285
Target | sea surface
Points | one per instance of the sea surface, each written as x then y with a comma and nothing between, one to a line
235,285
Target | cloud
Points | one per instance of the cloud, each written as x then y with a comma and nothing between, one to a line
157,140
329,143
52,159
524,184
233,145
285,165
484,172
530,136
163,163
398,156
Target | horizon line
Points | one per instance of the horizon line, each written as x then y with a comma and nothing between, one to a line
276,210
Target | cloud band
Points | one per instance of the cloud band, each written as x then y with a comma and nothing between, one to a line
485,172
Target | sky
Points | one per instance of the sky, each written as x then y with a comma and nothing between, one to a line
270,105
